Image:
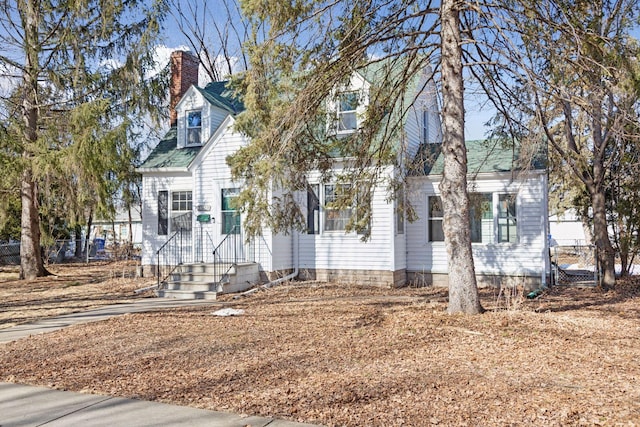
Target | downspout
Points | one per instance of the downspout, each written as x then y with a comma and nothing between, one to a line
546,247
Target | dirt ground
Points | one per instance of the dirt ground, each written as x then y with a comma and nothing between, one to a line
72,287
344,355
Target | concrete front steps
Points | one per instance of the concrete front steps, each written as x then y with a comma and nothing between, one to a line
198,281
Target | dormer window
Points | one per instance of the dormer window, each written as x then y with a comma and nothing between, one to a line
347,106
194,127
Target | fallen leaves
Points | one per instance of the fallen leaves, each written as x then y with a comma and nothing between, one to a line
351,356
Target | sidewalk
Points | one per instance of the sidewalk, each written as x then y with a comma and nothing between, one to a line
101,313
36,406
22,405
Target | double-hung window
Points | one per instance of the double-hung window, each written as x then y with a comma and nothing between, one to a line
194,127
347,116
436,214
337,212
507,221
425,126
181,211
230,214
481,217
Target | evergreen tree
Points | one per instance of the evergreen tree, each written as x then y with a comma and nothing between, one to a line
300,52
80,70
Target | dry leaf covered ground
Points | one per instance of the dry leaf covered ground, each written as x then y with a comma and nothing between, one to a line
71,288
346,355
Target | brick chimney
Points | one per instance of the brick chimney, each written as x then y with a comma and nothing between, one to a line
184,73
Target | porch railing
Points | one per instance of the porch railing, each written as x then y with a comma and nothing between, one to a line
171,255
228,254
179,249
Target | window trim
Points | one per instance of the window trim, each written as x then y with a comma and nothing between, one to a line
184,207
190,128
327,210
489,198
234,192
340,112
163,213
431,218
508,217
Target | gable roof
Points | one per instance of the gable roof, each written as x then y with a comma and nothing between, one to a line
166,155
219,95
483,156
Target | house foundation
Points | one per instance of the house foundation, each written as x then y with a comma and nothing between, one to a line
421,279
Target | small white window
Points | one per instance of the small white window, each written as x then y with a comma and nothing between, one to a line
347,106
181,210
436,214
336,218
507,220
194,127
425,126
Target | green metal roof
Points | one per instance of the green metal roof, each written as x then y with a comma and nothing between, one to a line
483,156
167,155
218,94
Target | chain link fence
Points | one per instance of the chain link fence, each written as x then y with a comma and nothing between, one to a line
575,265
10,254
64,250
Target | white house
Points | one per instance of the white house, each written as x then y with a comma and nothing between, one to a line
188,189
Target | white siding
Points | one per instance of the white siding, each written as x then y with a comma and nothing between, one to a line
340,250
212,174
151,185
212,116
425,99
192,100
528,256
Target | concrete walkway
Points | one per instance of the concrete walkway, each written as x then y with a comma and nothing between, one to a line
22,405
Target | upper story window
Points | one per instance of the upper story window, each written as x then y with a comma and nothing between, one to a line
194,127
347,106
425,126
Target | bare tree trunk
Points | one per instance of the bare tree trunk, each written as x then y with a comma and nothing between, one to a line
130,240
88,235
31,264
463,289
606,255
78,233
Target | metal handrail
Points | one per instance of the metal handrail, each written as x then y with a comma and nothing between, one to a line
166,247
222,255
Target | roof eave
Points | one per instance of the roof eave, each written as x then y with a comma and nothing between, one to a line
184,169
